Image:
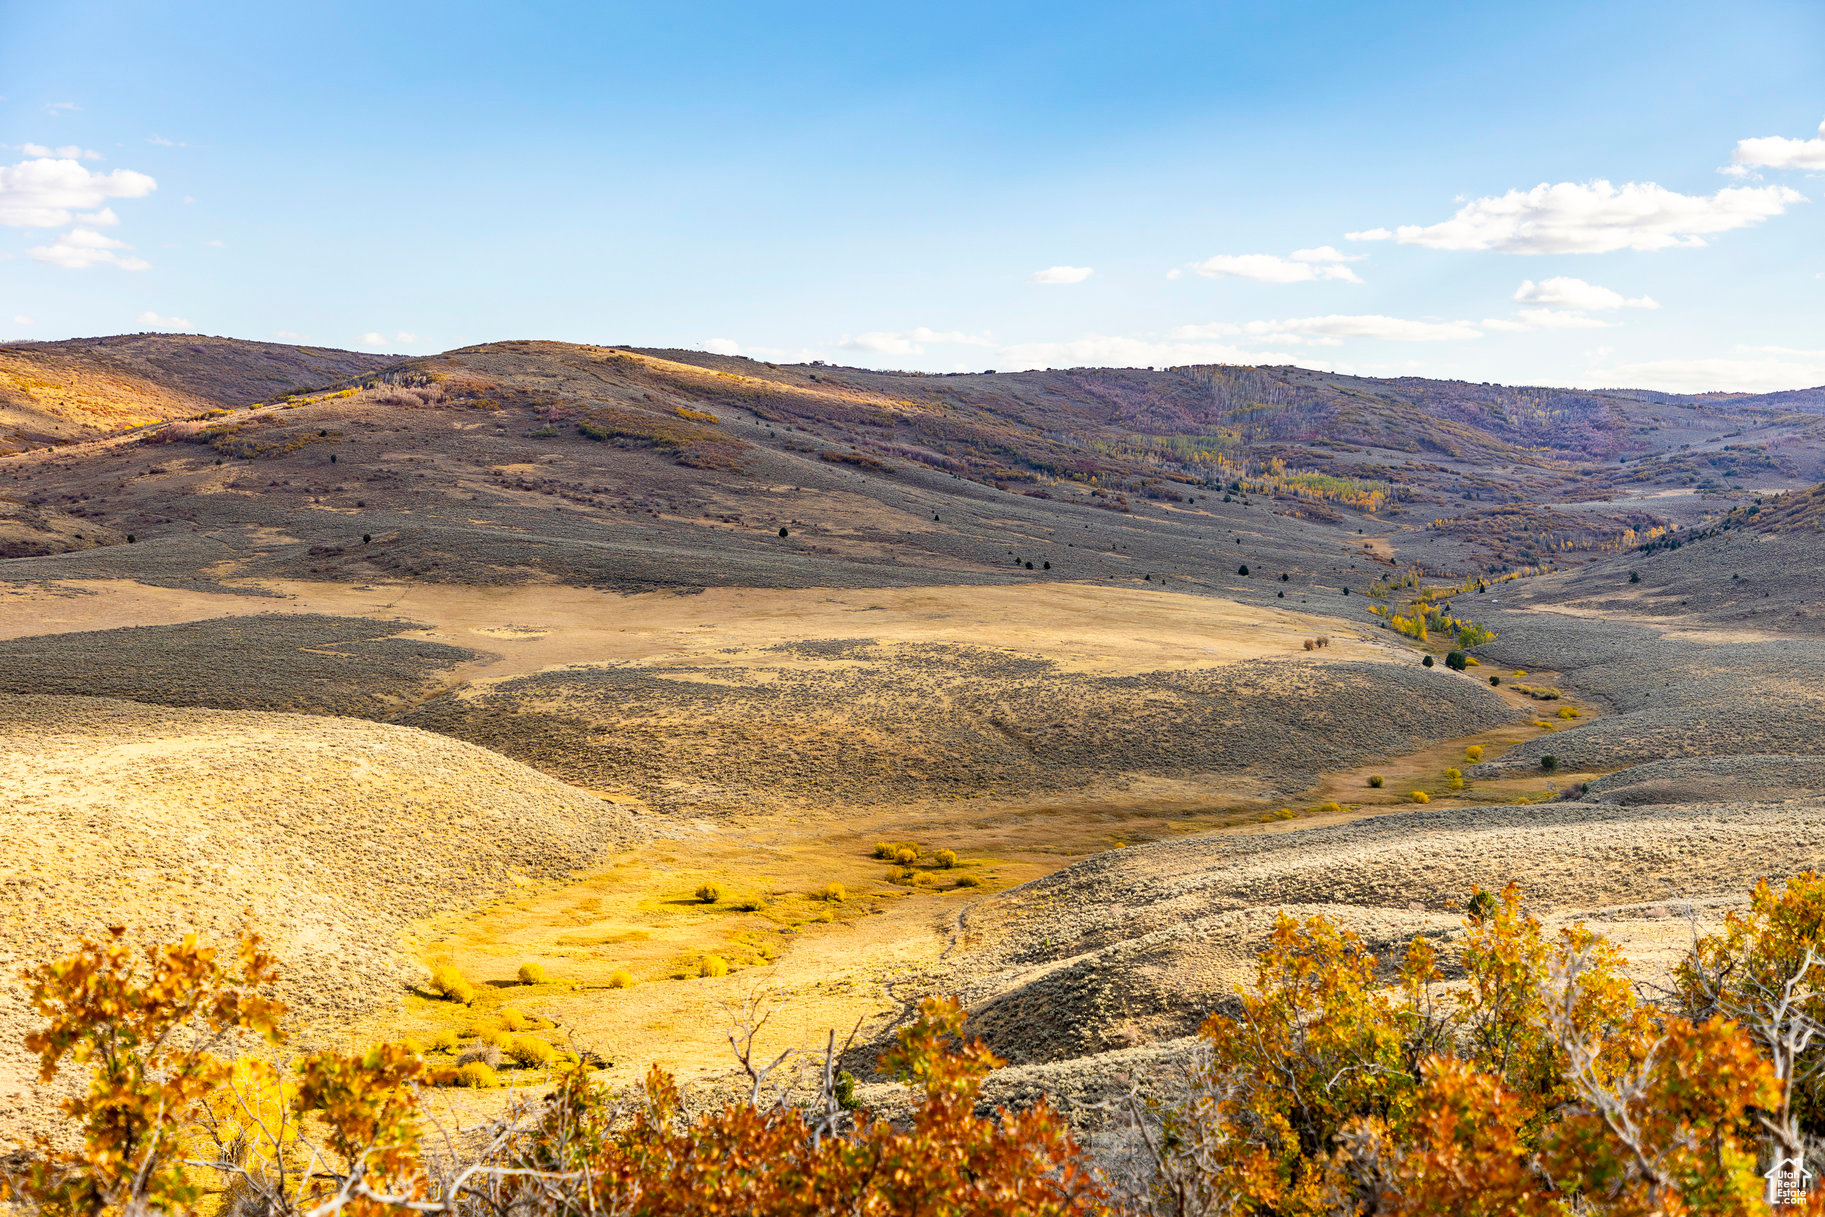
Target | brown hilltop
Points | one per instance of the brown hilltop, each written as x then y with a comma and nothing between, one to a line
81,387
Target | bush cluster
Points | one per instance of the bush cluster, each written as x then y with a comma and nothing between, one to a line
445,979
1507,1072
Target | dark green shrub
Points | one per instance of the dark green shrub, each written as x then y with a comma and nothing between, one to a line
1427,661
1549,762
1457,661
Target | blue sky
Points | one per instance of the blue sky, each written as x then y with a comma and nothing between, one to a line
1538,193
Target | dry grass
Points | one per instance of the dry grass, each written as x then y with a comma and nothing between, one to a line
334,834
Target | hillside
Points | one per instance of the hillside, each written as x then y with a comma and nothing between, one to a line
608,466
334,836
795,620
53,392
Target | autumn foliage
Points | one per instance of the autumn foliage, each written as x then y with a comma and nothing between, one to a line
1540,1083
1504,1071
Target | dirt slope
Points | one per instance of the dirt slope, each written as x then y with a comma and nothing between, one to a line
1136,945
51,391
334,834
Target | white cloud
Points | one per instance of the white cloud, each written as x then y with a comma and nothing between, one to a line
162,142
728,346
910,342
1211,329
45,193
1593,217
1778,152
1335,327
1061,274
290,336
81,248
1204,343
1325,253
62,107
23,320
1748,369
1305,266
1545,319
68,152
1565,292
152,321
374,338
216,244
1108,350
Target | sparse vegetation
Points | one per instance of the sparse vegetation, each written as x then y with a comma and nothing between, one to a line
832,893
1419,796
476,1074
1533,1077
531,1052
1375,781
620,979
1475,751
708,893
945,859
446,980
533,974
712,965
518,1020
